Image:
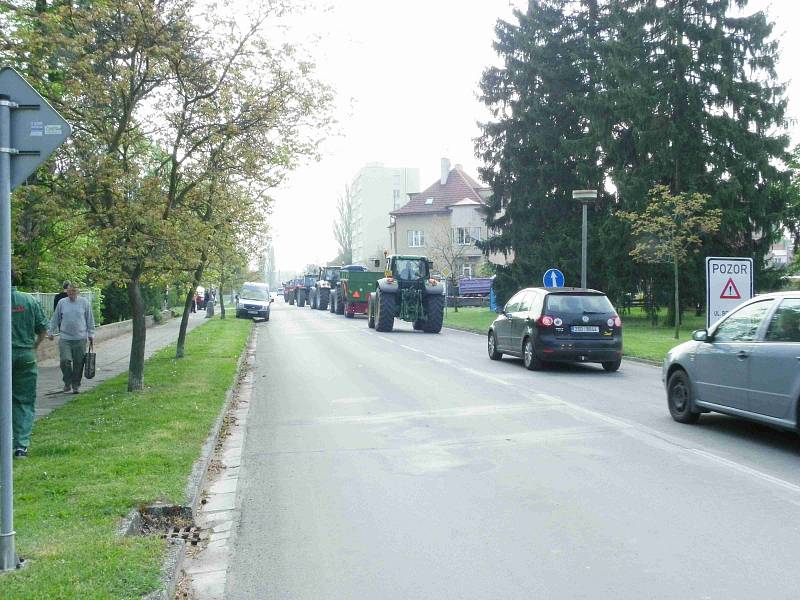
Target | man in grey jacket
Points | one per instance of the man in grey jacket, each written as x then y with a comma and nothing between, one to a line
74,320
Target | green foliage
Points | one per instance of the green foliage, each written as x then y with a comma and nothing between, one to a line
625,95
107,452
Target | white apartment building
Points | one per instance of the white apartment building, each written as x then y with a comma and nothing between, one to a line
376,191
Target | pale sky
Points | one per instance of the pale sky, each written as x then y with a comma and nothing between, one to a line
406,80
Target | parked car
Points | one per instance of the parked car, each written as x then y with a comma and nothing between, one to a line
747,364
543,325
253,300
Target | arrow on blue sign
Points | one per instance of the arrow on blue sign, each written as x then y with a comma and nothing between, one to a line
553,278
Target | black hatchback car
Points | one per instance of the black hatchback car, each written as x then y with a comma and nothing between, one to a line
543,325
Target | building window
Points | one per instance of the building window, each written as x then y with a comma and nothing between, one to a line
396,199
428,200
465,236
466,270
416,239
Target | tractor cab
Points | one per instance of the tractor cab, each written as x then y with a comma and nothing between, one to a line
408,271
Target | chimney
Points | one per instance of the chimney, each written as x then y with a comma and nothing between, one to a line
445,170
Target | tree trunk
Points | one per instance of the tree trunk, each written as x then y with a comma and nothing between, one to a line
198,273
221,300
677,302
187,307
139,331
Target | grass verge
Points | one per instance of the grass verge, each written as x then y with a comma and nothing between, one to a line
107,451
640,338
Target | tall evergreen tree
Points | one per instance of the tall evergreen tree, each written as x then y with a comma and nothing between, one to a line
537,150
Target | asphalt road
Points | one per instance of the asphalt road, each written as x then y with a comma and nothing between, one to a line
407,465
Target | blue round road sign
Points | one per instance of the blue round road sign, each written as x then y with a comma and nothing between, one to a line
553,278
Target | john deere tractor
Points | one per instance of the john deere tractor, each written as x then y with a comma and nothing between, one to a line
407,292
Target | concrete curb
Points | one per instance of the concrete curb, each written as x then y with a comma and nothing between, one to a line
175,553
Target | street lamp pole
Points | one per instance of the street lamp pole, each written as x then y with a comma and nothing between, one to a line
585,197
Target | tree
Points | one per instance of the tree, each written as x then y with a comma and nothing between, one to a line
669,229
537,148
343,227
446,252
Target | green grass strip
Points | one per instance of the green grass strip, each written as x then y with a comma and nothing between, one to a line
107,451
640,339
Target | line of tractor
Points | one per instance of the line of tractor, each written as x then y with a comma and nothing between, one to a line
404,290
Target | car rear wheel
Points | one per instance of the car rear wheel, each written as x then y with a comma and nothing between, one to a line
679,398
612,365
491,345
529,358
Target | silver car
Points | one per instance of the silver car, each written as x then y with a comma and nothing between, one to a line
747,365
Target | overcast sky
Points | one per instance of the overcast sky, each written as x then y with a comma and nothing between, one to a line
406,81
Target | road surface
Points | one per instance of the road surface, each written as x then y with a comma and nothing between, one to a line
407,465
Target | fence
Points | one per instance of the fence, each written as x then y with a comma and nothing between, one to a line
45,299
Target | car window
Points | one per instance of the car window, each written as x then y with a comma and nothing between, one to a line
527,302
784,326
742,325
513,304
578,303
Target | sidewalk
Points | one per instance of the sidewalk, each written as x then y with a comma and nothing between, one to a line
112,359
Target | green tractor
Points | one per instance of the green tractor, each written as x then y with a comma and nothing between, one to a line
407,292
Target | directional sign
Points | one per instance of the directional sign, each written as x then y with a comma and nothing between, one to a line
36,128
729,282
553,278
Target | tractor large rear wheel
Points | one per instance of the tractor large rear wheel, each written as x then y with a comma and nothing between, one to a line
339,303
371,312
384,319
322,302
434,307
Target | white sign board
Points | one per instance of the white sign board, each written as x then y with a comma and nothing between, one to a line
729,282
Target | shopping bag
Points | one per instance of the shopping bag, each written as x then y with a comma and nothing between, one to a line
89,360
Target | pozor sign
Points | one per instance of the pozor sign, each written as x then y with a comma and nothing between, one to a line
729,282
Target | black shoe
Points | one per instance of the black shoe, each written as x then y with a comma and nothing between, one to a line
21,453
75,390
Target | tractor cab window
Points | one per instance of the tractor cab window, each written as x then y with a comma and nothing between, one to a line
410,269
331,274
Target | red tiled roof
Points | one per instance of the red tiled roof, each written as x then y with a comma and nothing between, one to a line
459,186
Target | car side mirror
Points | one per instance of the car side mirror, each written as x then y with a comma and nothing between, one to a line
271,300
701,335
237,297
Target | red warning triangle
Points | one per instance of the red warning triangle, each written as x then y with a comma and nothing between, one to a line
730,291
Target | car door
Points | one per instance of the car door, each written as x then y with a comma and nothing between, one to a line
502,326
519,320
722,364
775,363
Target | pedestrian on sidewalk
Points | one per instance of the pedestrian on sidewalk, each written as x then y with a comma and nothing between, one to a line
28,328
60,295
74,320
193,306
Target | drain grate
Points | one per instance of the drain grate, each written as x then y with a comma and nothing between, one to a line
190,535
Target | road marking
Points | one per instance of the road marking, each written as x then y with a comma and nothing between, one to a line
412,349
675,442
356,400
485,376
746,470
437,359
384,338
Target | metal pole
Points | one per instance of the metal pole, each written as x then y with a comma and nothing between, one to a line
8,553
584,231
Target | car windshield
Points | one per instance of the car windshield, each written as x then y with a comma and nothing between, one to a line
250,292
410,269
578,303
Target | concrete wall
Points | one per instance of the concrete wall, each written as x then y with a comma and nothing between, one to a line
49,348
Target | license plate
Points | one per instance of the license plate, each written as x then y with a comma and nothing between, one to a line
585,329
252,312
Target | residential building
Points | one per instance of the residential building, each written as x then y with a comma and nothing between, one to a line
781,253
376,191
443,222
